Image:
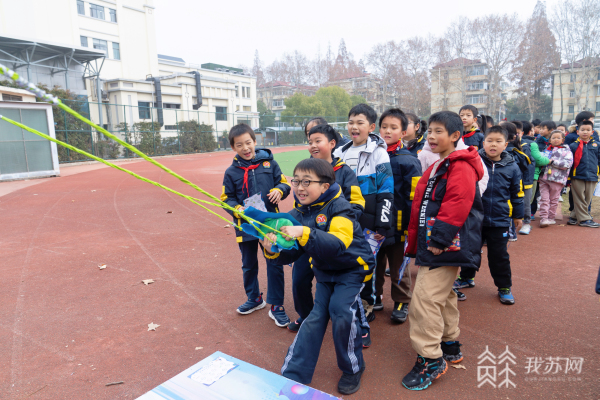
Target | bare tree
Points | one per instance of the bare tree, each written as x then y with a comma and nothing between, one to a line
416,59
257,70
297,68
384,58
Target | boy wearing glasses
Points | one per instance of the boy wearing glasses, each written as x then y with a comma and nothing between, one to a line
341,259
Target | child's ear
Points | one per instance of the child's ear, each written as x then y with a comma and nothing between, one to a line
372,127
455,137
325,187
402,134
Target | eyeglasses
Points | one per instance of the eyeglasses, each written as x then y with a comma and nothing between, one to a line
305,182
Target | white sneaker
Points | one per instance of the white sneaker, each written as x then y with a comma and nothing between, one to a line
525,229
551,222
544,223
561,199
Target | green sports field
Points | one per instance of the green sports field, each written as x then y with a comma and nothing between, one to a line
287,161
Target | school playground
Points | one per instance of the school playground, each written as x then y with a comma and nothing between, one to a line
67,327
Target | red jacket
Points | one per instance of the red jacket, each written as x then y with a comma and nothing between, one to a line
454,207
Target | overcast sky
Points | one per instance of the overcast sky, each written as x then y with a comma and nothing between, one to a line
228,32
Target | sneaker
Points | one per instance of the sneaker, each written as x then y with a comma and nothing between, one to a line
378,304
525,229
295,325
532,217
400,312
350,383
277,314
589,224
572,221
424,372
461,296
387,272
506,296
452,352
544,223
366,339
370,316
551,222
561,199
512,239
252,305
459,283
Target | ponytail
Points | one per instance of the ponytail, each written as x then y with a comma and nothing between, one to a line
422,127
513,136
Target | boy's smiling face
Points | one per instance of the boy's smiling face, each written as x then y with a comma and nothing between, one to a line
320,147
440,141
468,119
244,146
391,130
311,193
585,132
359,129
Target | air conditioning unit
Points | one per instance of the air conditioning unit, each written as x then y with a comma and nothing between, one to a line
104,95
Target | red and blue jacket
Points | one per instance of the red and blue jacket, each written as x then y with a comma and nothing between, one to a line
245,178
586,160
446,207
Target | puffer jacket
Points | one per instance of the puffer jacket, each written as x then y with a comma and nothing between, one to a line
530,177
561,160
522,160
473,138
586,163
503,199
332,238
573,135
447,206
345,177
416,145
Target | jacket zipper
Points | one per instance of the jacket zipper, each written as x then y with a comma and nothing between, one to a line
492,202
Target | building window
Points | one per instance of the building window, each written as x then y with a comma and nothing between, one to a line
476,85
116,51
598,91
573,77
84,41
572,93
144,109
598,106
170,127
101,45
476,99
221,113
245,92
10,97
237,91
113,15
114,85
278,103
571,109
478,70
172,105
96,11
247,108
80,7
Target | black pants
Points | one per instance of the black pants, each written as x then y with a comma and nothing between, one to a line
275,275
534,203
302,277
498,258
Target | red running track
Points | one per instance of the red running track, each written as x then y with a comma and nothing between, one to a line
67,328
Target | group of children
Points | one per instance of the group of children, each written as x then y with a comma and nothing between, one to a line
437,198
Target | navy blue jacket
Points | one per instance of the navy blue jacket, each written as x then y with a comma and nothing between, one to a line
589,165
523,160
407,172
573,136
542,143
332,238
526,146
346,178
503,198
416,145
264,179
474,138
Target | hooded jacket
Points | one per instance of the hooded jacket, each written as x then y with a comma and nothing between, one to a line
530,176
503,199
332,238
447,204
264,179
561,160
537,157
345,177
573,135
376,182
415,146
523,161
428,158
589,164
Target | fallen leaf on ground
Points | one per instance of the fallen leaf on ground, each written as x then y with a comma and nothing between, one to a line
93,190
199,348
216,255
114,383
169,212
148,281
226,226
152,326
459,366
103,266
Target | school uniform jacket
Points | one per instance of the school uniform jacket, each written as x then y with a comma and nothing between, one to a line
376,182
573,135
416,145
588,167
503,199
407,172
456,208
473,138
523,162
345,177
332,239
264,178
530,176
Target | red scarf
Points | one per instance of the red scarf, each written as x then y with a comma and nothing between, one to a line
393,147
578,154
246,169
549,148
471,133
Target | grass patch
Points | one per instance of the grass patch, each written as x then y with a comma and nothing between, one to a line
595,206
288,160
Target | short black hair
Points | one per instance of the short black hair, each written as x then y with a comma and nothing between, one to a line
551,125
583,116
395,113
326,130
321,168
365,110
527,127
518,124
510,128
586,122
471,108
536,122
239,130
497,129
318,120
563,125
450,120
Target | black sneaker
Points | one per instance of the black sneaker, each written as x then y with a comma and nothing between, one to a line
387,272
370,317
461,296
295,325
400,312
589,224
452,352
252,305
572,221
424,372
350,383
366,339
378,304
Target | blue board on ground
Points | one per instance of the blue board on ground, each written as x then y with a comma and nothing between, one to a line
222,377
